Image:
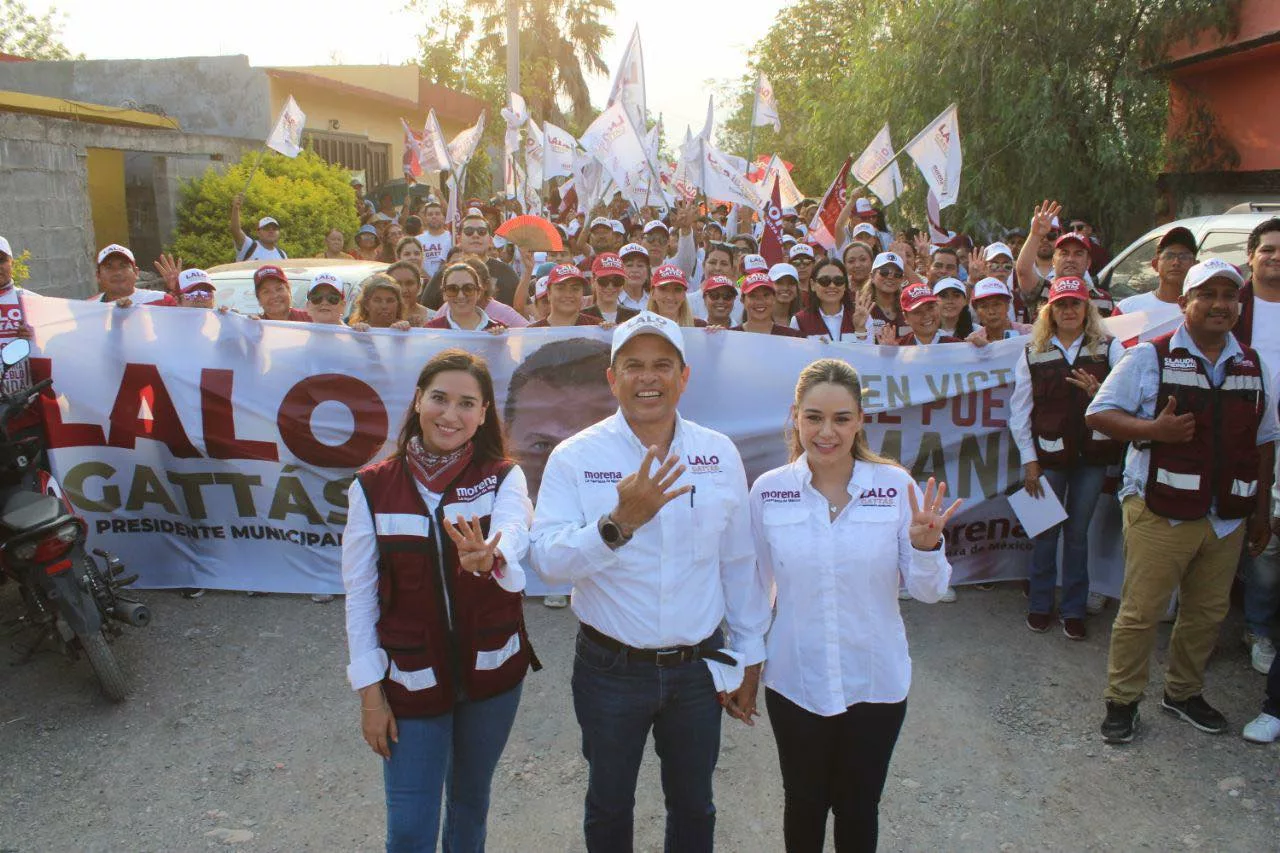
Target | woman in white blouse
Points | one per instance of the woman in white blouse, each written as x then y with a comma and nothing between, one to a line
835,530
435,628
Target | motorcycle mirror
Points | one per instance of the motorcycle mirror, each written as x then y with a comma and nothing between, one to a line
14,352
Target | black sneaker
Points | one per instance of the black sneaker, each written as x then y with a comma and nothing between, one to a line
1121,722
1197,712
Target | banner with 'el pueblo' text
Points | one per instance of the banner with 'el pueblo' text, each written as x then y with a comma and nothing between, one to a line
211,450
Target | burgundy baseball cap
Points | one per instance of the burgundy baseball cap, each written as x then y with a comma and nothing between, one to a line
269,271
669,274
759,279
916,295
715,281
607,263
1068,287
565,272
1069,237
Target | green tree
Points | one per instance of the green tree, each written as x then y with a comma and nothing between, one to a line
307,195
1055,100
24,34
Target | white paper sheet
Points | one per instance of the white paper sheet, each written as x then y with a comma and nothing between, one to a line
1037,514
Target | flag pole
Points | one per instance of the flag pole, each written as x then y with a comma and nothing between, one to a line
254,170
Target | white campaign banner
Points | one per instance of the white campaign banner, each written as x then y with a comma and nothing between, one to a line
210,450
937,153
875,162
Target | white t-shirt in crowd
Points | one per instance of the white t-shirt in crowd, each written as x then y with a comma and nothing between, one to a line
252,250
1266,330
1156,309
698,306
434,249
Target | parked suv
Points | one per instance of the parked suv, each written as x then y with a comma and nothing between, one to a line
1222,236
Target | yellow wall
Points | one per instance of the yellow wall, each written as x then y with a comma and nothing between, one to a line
398,80
106,196
378,122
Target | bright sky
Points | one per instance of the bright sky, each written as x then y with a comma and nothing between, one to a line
708,45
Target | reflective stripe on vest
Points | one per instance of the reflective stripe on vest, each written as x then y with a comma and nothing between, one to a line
1185,482
402,524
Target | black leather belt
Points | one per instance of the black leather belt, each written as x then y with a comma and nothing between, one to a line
673,656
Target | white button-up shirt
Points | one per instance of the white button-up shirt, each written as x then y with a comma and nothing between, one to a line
838,638
689,568
1132,387
1021,401
511,514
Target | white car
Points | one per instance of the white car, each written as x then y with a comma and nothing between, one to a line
1222,236
234,282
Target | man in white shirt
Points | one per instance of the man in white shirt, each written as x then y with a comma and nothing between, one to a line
1175,254
646,514
265,247
436,240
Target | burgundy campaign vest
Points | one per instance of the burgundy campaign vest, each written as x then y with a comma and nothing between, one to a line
1221,461
1061,437
811,323
909,340
451,634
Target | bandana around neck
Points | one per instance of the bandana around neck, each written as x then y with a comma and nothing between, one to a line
436,471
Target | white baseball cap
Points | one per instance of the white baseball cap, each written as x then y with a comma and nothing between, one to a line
321,279
789,211
647,323
542,287
949,283
757,263
801,249
777,271
865,228
995,250
268,220
113,249
654,225
990,287
188,279
601,222
1213,268
5,248
633,249
617,227
885,258
863,206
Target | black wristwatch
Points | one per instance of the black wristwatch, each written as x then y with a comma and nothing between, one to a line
611,532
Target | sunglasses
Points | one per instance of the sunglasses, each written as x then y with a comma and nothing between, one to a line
454,290
1053,235
831,280
321,298
1001,267
1079,226
610,281
193,295
721,294
474,231
892,275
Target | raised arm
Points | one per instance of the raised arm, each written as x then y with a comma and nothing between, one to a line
237,233
1025,267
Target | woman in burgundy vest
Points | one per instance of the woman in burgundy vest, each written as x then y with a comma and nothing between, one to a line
1067,358
435,627
831,302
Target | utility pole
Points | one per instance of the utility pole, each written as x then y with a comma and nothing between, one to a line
513,45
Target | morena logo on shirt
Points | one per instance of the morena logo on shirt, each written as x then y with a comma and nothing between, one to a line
602,476
488,484
780,496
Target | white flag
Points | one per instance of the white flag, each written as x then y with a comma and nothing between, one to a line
612,139
687,179
789,193
936,150
434,151
516,115
937,234
628,83
889,183
766,108
462,146
724,180
534,149
286,136
711,115
557,152
588,180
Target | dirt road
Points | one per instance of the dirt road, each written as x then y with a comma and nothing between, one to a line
242,733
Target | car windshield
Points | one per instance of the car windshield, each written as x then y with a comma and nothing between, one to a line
1133,273
1227,245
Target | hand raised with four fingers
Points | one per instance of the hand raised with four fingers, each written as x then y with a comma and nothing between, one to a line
475,555
928,518
642,494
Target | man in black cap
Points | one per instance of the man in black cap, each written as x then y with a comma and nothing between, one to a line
1175,254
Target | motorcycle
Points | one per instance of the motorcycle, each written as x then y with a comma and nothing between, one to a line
70,599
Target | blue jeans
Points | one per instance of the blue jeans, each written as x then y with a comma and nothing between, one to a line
617,702
1261,587
1078,489
454,754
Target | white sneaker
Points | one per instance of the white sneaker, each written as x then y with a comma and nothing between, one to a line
1096,603
321,598
903,595
1262,652
555,602
1262,729
948,596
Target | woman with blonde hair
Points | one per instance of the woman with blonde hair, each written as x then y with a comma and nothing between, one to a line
1067,358
835,531
668,296
380,305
